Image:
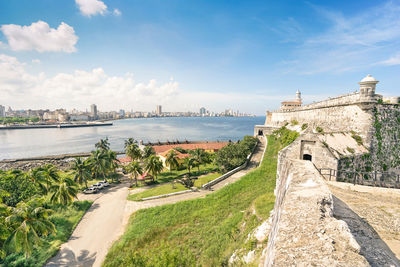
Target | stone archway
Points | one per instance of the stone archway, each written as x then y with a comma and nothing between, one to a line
307,157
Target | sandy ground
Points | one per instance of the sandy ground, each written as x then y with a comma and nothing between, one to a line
106,220
373,215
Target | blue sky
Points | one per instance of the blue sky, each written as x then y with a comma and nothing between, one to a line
245,55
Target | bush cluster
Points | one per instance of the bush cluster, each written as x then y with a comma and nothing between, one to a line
234,154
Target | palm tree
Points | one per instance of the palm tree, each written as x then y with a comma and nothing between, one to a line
111,161
29,222
37,176
198,155
81,171
98,162
154,165
50,174
129,142
133,151
172,159
103,144
148,151
134,169
189,163
64,191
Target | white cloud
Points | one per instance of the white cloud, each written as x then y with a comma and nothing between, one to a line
352,42
91,7
394,60
40,37
37,61
22,89
117,12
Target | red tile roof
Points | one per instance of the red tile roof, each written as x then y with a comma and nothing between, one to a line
125,159
206,146
179,154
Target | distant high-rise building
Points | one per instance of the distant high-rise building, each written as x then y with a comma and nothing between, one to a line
203,111
122,113
93,111
158,110
2,111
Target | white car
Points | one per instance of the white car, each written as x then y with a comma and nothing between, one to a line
98,186
105,183
91,190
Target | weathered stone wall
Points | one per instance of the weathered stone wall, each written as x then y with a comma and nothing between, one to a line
384,147
304,231
343,118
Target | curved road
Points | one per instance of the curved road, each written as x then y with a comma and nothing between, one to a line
105,221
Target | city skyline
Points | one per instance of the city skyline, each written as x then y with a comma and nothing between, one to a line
249,56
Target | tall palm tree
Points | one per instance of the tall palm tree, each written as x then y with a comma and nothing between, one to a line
172,159
134,169
98,162
189,163
4,229
111,161
29,222
148,151
129,142
64,191
198,155
50,174
81,171
103,144
37,176
154,165
133,151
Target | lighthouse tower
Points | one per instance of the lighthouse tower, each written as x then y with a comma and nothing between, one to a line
298,96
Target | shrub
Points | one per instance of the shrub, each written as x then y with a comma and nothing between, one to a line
304,126
319,129
294,122
285,135
351,150
357,138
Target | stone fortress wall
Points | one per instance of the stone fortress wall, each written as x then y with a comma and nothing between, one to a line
360,133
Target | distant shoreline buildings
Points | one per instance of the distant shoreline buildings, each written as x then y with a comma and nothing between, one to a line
62,116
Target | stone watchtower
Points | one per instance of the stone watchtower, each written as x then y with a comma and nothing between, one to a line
367,86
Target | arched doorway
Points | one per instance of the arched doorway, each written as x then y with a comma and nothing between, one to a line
260,132
307,157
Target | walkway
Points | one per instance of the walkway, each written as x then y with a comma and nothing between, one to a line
105,221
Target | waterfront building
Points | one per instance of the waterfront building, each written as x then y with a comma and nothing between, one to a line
2,111
93,111
203,111
158,110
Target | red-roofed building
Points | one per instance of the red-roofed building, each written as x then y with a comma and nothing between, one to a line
209,147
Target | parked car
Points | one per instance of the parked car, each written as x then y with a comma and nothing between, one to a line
91,190
105,183
98,185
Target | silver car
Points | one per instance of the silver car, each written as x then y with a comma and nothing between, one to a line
91,190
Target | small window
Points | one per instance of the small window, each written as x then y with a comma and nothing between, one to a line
307,157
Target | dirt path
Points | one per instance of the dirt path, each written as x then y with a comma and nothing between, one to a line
105,221
373,215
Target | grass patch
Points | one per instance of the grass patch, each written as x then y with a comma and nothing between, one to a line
65,221
199,232
167,188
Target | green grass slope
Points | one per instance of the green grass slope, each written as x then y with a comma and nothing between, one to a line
200,232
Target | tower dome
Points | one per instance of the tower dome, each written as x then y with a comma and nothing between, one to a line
368,85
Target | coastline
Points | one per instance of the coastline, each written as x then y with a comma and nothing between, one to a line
68,125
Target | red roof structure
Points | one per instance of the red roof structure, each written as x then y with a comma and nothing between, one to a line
179,154
214,146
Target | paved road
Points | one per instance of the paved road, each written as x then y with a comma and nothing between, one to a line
105,221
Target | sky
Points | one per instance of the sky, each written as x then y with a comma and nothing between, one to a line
244,55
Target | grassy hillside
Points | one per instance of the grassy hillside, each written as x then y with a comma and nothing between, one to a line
200,232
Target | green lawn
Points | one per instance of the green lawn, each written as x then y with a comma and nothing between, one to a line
200,232
168,176
65,220
167,188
